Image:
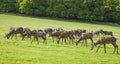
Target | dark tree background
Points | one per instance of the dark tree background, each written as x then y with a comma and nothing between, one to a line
90,10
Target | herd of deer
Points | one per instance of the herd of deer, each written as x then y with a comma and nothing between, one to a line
58,34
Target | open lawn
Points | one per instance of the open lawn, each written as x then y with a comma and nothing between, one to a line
23,52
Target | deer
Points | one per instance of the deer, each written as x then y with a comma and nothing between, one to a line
78,32
36,34
14,31
26,32
106,32
85,36
65,35
96,32
106,39
49,31
56,35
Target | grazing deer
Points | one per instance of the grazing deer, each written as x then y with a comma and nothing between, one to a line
64,35
106,40
106,32
26,32
14,31
85,36
38,33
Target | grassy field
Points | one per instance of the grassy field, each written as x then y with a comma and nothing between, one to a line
23,52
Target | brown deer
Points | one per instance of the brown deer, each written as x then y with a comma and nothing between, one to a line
106,32
14,31
26,32
49,31
106,40
85,36
65,35
78,32
96,32
55,35
70,35
38,33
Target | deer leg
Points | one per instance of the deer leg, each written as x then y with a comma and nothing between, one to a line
37,40
65,41
70,39
23,36
44,38
28,36
73,39
91,40
105,48
58,39
82,42
15,36
98,47
53,39
78,41
12,36
115,48
62,40
33,40
86,41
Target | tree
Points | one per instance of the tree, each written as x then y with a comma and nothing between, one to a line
33,7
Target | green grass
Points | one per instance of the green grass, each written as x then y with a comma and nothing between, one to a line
23,52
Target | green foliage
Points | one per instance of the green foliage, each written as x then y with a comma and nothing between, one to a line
33,7
62,8
8,6
90,10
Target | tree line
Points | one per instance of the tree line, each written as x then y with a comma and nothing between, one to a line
90,10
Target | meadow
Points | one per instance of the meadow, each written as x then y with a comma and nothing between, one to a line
23,52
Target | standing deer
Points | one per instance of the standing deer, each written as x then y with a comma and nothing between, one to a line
106,32
27,32
106,40
38,33
85,36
